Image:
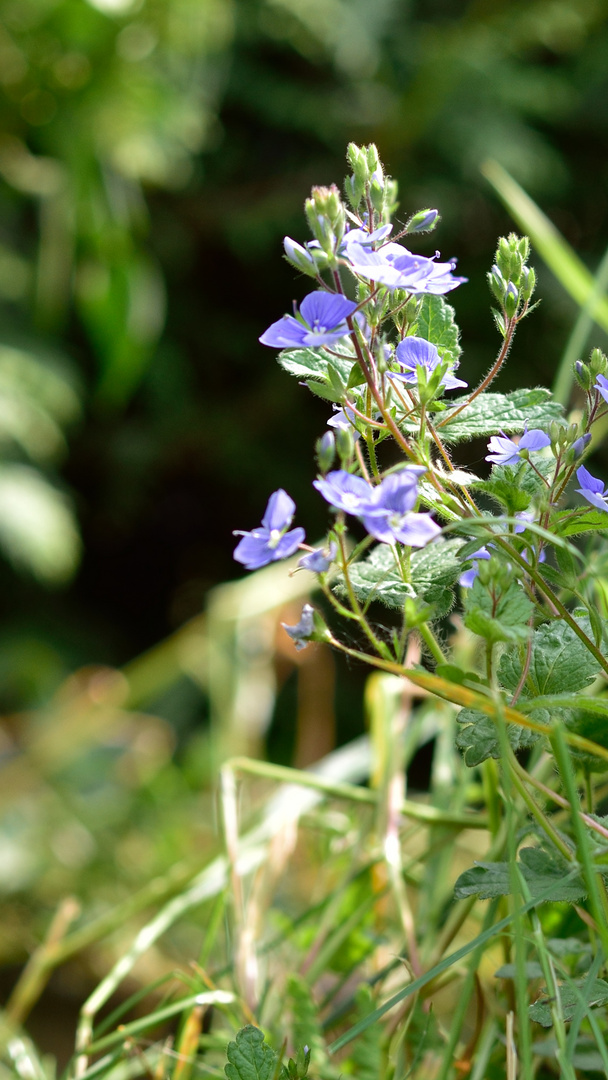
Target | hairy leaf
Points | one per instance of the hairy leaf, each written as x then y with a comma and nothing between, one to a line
250,1057
567,523
436,324
559,663
541,870
489,414
432,570
501,617
314,363
478,737
594,993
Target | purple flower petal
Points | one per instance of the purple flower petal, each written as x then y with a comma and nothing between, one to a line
602,386
279,511
467,578
324,314
345,491
534,440
286,333
592,489
302,631
320,560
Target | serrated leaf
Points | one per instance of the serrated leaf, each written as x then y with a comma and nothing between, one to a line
436,323
541,870
567,523
432,570
478,737
314,363
250,1057
498,619
490,414
559,663
594,992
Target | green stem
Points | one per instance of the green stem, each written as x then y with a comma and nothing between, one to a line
518,773
431,642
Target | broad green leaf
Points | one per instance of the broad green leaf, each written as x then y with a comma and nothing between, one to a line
250,1057
435,323
314,363
541,870
498,618
490,414
432,570
533,970
567,523
594,992
559,662
324,391
478,737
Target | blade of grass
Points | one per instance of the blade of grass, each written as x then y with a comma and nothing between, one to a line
438,969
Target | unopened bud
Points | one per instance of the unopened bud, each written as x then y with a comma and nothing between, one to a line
580,445
583,375
497,283
423,221
345,444
528,282
598,363
325,449
511,300
299,257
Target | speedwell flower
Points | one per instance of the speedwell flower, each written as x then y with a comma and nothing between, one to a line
388,516
319,560
322,320
397,268
302,632
413,353
602,386
272,541
592,489
345,491
505,451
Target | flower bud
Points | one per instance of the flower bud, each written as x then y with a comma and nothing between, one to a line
345,444
528,282
357,159
325,450
598,364
582,374
580,445
497,284
423,221
299,257
511,300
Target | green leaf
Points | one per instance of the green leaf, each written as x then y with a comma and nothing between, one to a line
567,523
490,414
323,391
594,992
432,570
314,363
502,618
356,377
478,737
541,870
507,486
559,662
250,1057
436,323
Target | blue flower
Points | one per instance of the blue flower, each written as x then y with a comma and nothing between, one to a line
345,491
505,451
322,316
413,353
271,542
302,632
592,489
602,386
467,578
397,268
319,560
388,516
344,420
